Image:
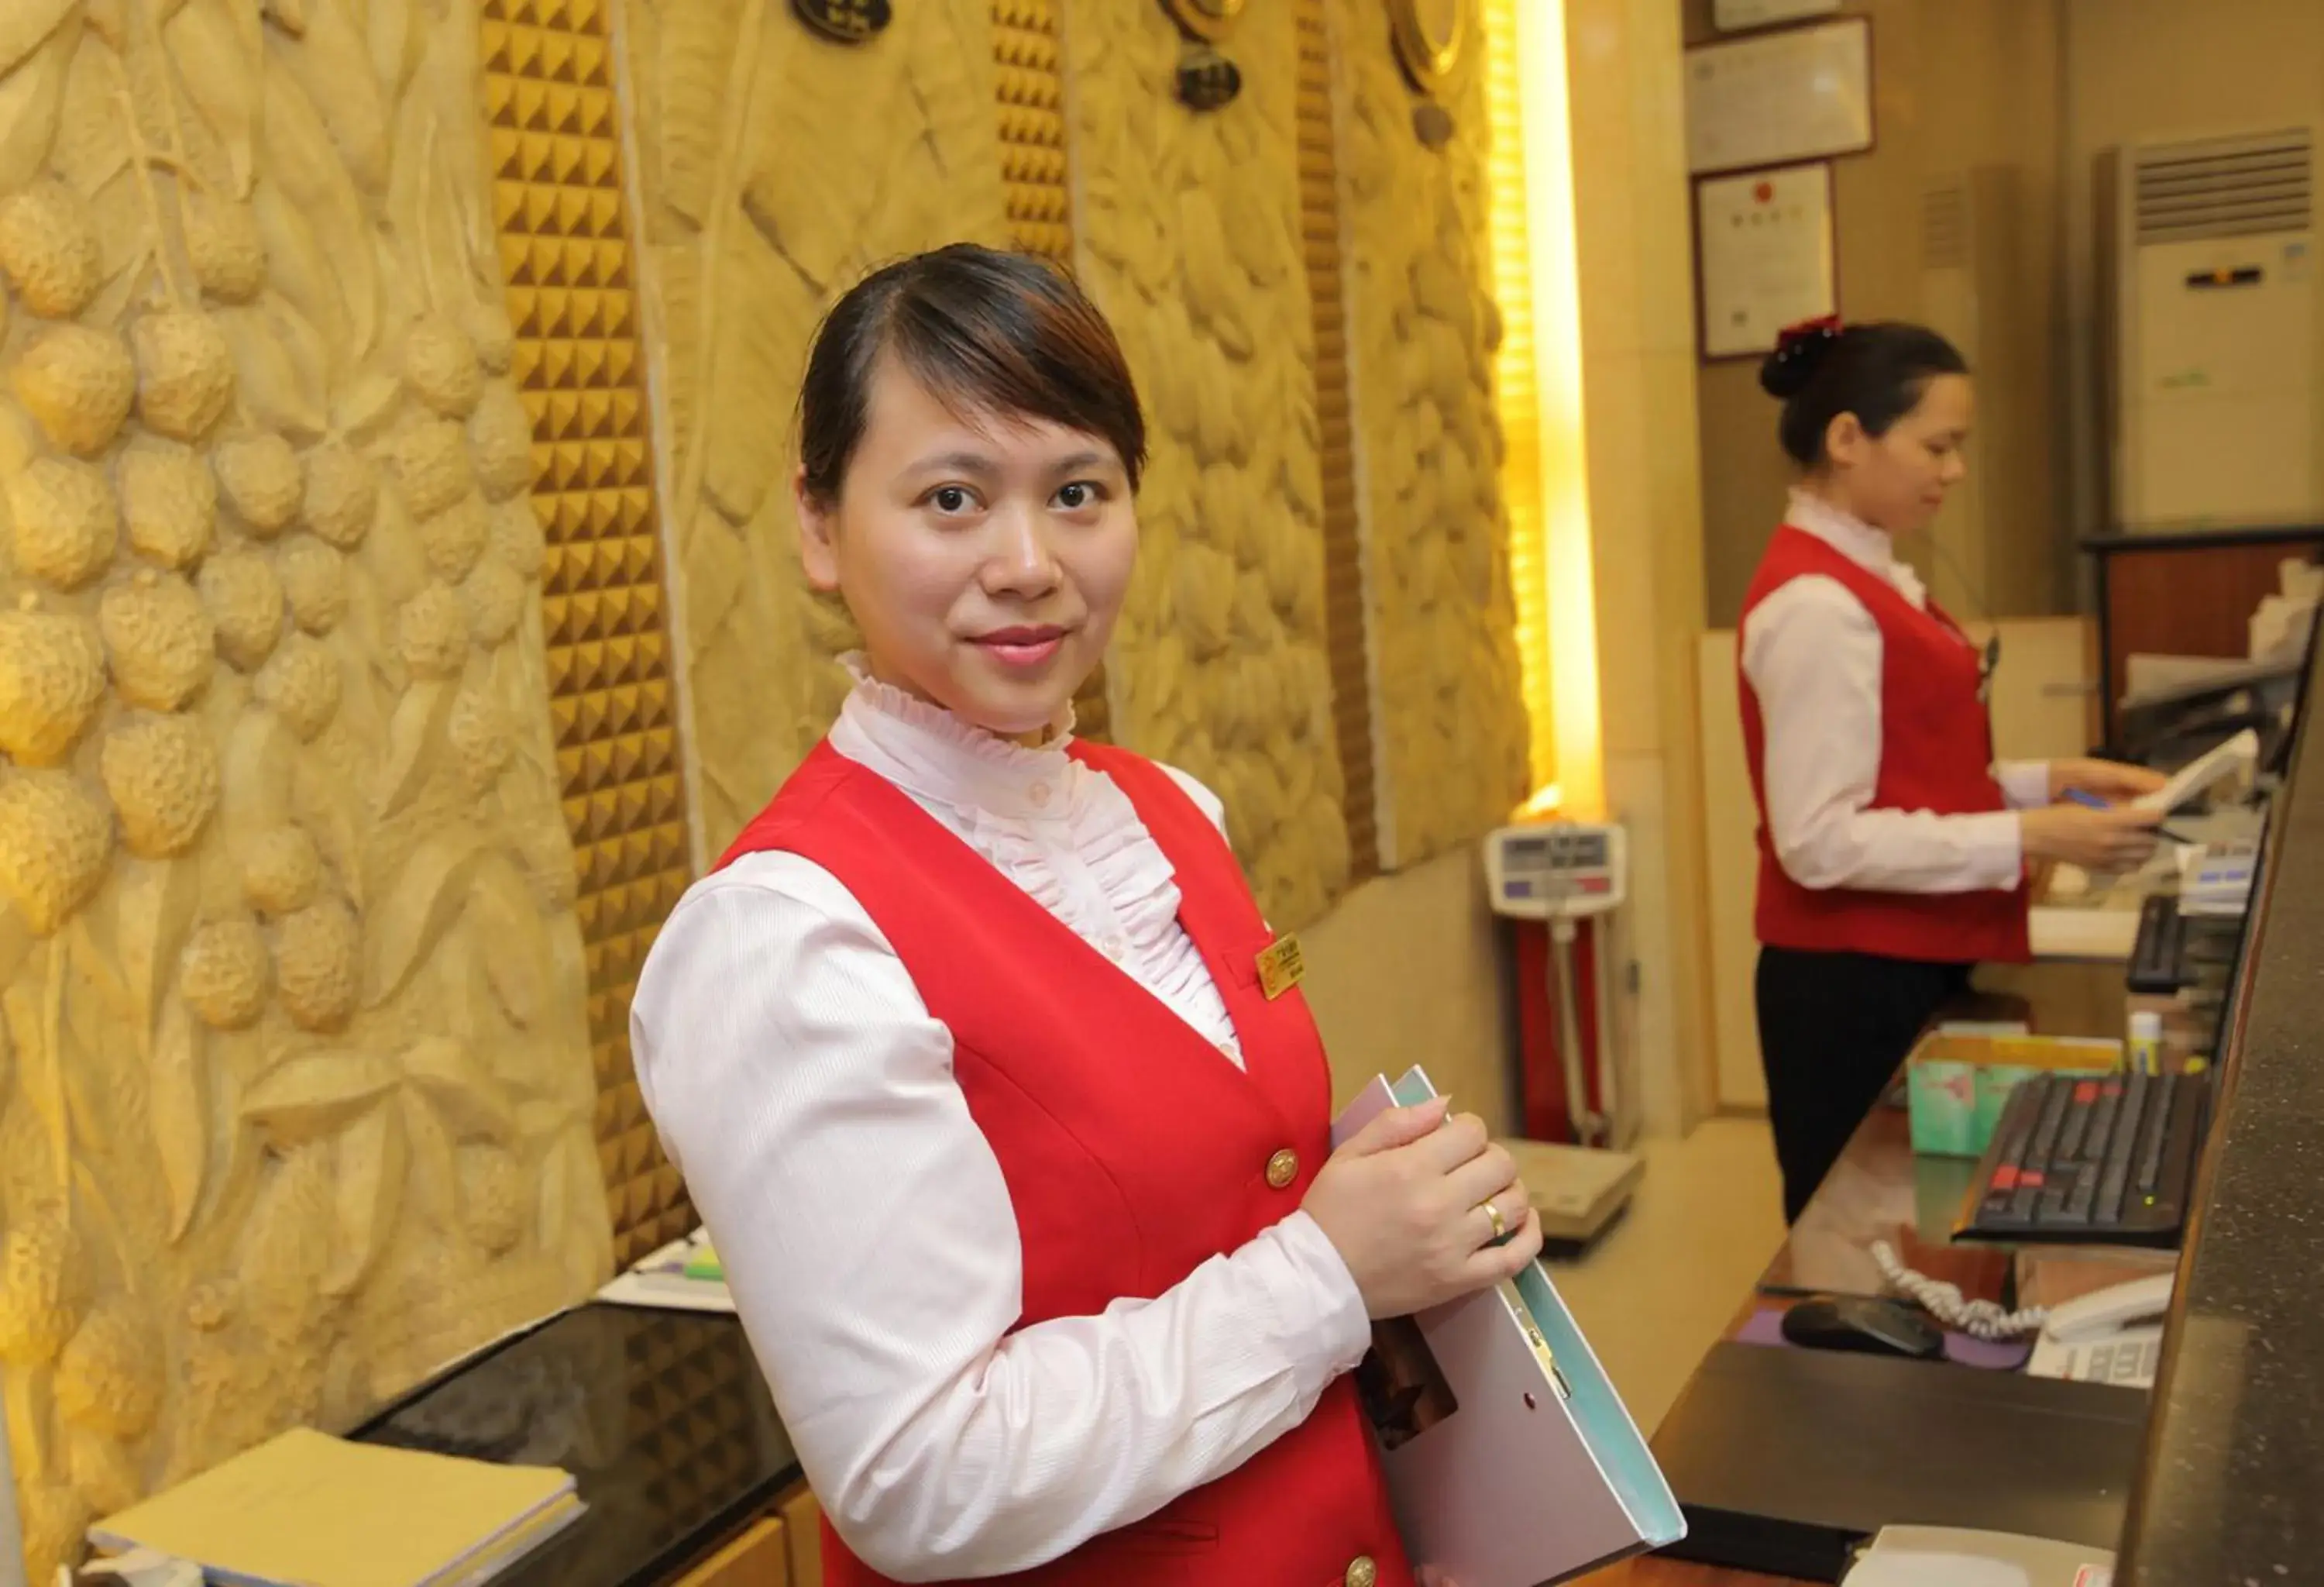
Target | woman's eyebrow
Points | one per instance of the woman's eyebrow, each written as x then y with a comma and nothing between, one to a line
956,462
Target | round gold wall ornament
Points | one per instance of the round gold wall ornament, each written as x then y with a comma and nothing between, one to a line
1207,81
845,22
1430,36
1209,21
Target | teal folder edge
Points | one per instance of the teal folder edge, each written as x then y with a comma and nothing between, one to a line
1614,1440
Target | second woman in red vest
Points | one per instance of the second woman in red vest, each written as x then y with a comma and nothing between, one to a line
1893,850
1017,1158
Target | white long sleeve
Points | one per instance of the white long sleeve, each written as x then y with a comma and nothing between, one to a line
804,1089
1812,656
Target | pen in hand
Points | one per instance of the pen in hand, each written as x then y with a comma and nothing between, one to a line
2090,801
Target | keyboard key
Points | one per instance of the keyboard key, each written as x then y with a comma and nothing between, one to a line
2121,1148
2078,1121
2158,1130
2011,1138
2099,1140
2053,1118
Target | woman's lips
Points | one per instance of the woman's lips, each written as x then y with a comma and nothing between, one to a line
1022,647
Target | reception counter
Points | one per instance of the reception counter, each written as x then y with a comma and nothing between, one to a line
2231,1484
2221,1472
666,1426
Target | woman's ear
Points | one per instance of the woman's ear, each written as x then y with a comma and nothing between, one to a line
818,533
1844,439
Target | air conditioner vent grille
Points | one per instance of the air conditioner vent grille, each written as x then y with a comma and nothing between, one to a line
2225,187
1944,227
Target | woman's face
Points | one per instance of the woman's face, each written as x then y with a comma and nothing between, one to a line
1898,481
983,557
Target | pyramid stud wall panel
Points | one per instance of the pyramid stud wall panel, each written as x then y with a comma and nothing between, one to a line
555,152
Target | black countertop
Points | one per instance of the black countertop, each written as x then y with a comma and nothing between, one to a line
2231,1483
661,1418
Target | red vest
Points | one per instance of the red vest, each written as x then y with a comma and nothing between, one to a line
1936,753
1133,1151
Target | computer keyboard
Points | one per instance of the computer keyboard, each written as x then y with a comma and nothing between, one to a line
2158,959
2108,1159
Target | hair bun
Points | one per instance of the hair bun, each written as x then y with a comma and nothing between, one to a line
1800,350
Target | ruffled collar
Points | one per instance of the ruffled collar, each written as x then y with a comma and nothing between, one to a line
933,754
1868,548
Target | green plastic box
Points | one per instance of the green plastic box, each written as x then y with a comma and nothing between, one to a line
1957,1085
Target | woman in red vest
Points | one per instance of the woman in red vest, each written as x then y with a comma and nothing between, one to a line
1892,851
973,1052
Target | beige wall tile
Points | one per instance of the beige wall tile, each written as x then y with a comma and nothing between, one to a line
1408,971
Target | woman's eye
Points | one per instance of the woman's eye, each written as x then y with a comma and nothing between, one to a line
1077,495
949,498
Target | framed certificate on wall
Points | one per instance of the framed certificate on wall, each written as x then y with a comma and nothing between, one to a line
1773,98
1730,16
1764,256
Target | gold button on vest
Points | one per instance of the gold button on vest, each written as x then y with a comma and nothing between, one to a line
1361,1572
1282,1168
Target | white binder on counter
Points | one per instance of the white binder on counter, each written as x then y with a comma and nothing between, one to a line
1511,1460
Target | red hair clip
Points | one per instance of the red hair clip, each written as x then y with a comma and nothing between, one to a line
1823,327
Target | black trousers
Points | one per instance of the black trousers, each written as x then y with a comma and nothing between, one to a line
1832,1028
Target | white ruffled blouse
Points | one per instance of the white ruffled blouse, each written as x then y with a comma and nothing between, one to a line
1065,834
799,1083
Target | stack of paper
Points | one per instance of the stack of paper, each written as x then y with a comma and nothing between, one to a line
2127,1358
2216,880
305,1509
685,1276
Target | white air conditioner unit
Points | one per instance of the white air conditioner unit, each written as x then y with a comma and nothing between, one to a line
2216,371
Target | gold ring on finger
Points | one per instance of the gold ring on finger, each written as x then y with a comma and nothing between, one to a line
1500,1225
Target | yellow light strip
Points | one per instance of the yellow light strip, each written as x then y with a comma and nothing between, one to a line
1515,382
1570,598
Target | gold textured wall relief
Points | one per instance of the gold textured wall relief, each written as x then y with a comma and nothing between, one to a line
295,1095
558,201
1346,594
1029,79
1451,723
1189,240
776,167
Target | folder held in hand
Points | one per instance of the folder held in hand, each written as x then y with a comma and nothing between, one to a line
1511,1460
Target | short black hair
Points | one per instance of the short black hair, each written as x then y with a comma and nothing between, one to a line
1877,371
983,330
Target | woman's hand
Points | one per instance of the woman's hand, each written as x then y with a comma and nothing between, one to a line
2112,841
1432,1577
1404,1203
2107,779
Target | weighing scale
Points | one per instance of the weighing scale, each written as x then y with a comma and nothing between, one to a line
1562,873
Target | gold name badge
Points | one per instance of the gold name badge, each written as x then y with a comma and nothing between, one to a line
1280,967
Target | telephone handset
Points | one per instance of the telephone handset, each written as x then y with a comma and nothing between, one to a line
2091,1318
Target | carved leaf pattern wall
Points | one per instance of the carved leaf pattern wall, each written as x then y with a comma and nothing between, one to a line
777,166
295,1091
1452,722
1188,231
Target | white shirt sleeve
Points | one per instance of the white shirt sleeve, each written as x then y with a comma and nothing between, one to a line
800,1084
1812,654
1214,808
2024,784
